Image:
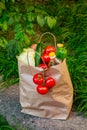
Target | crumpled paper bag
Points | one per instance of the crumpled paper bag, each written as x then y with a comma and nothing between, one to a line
57,103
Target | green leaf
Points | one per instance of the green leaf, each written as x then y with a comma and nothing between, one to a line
30,32
0,11
0,24
26,39
3,42
29,25
13,1
18,28
6,127
51,21
31,8
3,121
10,21
40,20
19,36
31,17
5,26
17,17
37,10
2,5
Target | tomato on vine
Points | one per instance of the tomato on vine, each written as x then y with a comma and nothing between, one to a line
50,82
42,89
44,66
49,49
45,58
38,78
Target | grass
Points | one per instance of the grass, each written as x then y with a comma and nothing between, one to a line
4,124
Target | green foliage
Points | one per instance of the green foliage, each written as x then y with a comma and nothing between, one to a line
40,20
51,22
78,71
4,124
17,23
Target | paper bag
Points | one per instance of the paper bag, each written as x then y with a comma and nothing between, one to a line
57,103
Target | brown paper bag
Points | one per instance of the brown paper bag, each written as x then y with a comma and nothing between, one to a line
57,103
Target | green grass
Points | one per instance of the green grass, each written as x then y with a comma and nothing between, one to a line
4,124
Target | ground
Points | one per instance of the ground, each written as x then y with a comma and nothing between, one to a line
11,109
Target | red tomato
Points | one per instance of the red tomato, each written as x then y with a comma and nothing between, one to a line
44,66
46,58
50,82
42,89
49,49
38,78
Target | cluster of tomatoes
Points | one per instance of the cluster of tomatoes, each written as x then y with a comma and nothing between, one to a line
44,83
48,54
